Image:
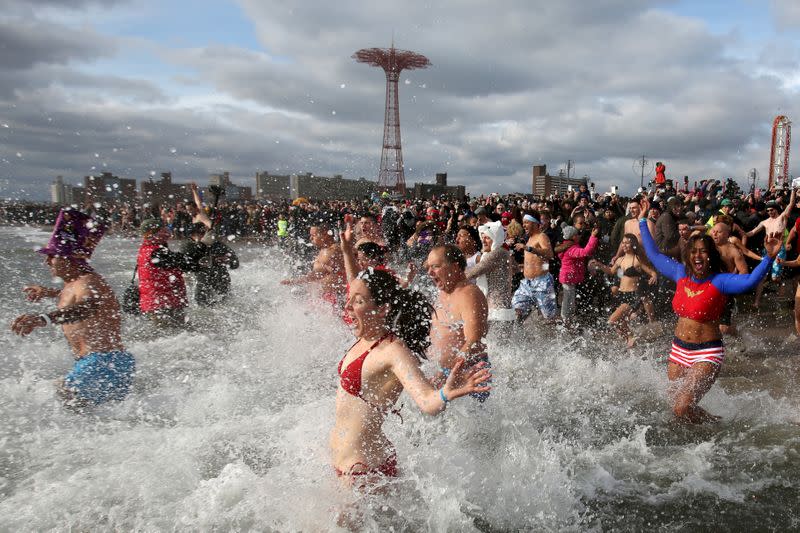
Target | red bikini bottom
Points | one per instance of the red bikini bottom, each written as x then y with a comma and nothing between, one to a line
387,469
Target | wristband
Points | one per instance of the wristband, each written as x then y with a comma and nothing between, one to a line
47,320
445,401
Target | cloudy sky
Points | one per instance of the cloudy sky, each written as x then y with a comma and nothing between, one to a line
197,87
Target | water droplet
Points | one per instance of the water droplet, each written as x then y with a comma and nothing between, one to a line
152,172
5,125
127,127
342,86
97,155
407,82
277,142
333,112
173,150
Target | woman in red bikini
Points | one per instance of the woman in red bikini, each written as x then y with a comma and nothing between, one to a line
702,290
392,325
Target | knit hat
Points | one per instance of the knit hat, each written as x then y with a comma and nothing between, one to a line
75,235
569,232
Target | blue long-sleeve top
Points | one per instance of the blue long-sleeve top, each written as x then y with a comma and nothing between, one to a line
700,299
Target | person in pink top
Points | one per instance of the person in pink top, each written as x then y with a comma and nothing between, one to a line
573,268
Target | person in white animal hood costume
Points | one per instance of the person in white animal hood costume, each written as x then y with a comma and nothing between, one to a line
495,264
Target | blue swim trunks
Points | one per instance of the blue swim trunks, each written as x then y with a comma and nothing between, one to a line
99,377
537,291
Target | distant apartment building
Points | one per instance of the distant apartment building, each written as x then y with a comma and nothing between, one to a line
272,187
232,192
107,188
60,192
545,184
426,191
325,188
164,191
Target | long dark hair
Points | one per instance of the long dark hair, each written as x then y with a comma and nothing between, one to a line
714,258
636,248
409,315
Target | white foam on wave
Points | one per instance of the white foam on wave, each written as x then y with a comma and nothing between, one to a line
227,428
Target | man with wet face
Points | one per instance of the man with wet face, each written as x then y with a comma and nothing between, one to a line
368,230
328,266
461,313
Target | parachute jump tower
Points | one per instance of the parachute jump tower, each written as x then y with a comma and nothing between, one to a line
779,153
392,61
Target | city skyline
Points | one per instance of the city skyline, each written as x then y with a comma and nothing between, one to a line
251,86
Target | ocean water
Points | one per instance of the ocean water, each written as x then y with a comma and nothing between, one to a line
227,427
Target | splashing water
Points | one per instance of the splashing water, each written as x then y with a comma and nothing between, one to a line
227,428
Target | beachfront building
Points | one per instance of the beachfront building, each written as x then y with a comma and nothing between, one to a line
272,186
164,191
60,192
108,188
545,184
426,191
233,192
324,188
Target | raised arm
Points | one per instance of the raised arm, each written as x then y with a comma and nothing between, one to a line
588,250
790,205
201,213
348,252
739,283
665,265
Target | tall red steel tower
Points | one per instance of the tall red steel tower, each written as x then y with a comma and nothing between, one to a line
392,61
779,153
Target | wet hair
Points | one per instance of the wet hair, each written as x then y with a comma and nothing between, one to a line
634,242
409,315
725,219
373,250
715,260
473,233
453,255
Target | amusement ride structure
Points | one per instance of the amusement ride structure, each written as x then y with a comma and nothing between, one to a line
779,153
392,61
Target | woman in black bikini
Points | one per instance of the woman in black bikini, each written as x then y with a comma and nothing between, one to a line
629,297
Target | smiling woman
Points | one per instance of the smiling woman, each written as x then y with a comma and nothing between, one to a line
702,291
392,325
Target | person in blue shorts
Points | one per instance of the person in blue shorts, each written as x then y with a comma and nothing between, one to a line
87,312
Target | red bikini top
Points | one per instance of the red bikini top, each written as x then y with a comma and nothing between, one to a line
350,379
698,300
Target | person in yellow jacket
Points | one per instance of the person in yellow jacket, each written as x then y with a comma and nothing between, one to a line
283,227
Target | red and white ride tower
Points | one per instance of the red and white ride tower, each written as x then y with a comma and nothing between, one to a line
392,61
779,153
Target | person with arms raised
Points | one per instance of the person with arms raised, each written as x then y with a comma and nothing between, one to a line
702,290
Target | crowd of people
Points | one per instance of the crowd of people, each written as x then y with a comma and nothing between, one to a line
429,279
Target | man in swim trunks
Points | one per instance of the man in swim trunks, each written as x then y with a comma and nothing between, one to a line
328,267
87,312
461,314
537,285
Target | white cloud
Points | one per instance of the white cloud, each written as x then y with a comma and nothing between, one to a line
511,85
